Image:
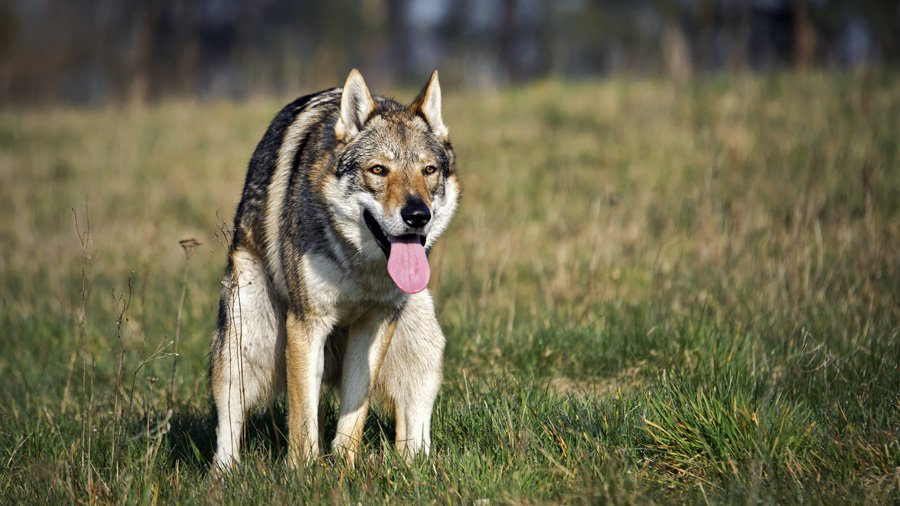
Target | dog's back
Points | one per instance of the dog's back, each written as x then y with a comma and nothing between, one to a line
303,127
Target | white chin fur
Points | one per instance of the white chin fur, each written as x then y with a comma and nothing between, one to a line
441,212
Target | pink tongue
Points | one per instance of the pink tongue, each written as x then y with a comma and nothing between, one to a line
407,264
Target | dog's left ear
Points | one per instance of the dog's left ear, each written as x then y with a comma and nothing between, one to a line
356,107
428,105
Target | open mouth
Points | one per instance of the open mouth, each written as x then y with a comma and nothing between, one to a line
381,238
407,260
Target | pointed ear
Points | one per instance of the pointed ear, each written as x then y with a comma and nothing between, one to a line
428,105
356,106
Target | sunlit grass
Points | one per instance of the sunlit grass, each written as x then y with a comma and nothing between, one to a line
652,291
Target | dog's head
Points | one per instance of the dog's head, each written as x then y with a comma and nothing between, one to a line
396,173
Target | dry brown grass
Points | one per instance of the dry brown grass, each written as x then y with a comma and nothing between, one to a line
648,255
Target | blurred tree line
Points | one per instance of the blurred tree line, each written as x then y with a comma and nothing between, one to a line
100,50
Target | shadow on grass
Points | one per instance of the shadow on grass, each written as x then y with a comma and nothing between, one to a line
191,438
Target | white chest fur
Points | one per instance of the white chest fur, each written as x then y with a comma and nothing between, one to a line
345,294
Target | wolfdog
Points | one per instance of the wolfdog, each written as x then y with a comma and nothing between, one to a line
327,271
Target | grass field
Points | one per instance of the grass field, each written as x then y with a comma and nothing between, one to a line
652,293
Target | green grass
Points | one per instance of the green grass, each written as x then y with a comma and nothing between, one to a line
653,292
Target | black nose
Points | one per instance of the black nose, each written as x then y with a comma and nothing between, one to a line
415,213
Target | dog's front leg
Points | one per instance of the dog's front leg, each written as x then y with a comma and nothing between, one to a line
367,344
411,374
305,362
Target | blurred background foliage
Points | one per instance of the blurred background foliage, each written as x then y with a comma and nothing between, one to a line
96,51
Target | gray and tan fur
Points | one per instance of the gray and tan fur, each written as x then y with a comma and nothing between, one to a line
306,296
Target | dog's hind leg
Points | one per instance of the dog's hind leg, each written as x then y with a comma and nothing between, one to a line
411,373
247,357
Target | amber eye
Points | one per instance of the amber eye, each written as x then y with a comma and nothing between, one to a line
378,170
429,170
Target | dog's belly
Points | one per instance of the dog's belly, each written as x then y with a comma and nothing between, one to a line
335,347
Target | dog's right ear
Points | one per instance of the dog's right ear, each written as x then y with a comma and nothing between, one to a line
356,106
